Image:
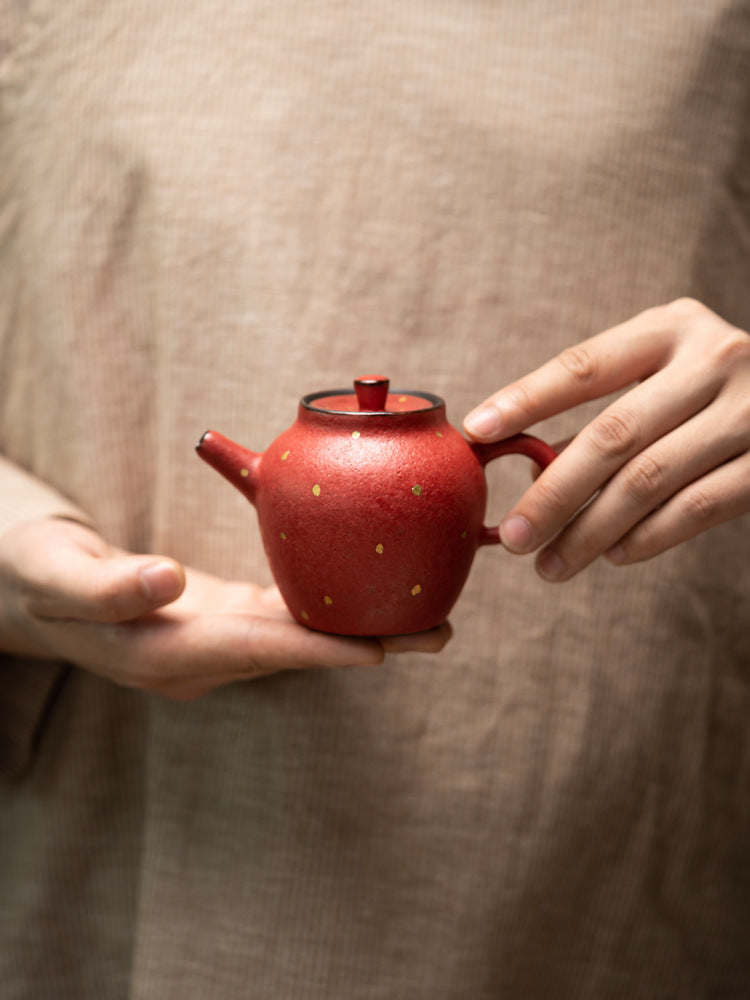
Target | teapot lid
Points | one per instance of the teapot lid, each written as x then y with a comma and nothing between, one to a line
371,395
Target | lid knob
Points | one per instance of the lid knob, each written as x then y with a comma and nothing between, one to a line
372,392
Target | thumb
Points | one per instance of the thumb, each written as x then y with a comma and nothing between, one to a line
104,585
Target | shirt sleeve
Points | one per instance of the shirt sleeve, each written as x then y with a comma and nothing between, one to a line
24,498
27,686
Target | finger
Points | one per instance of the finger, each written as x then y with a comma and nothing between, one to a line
166,651
711,500
594,368
621,431
187,687
682,457
251,646
431,641
69,582
557,447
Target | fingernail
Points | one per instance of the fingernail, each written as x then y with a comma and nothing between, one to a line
431,641
616,555
483,422
160,581
550,565
369,655
516,534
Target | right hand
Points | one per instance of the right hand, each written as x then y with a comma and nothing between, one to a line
147,622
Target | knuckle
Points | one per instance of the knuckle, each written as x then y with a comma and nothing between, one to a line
551,494
686,309
642,543
643,478
580,363
741,418
521,397
684,315
109,600
699,506
26,595
615,433
732,348
253,665
579,544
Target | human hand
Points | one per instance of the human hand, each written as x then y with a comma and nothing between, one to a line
667,460
146,622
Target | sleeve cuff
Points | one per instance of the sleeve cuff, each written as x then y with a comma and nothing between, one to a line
27,686
23,497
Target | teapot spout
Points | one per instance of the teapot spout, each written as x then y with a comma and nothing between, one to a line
238,465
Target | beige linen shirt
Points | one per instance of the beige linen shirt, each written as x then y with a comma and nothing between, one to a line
209,209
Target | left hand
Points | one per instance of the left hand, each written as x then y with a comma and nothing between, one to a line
664,462
146,622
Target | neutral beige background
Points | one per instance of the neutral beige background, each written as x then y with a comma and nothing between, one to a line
207,210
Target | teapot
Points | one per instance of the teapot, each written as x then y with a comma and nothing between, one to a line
371,506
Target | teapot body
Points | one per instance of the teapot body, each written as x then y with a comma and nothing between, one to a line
370,506
370,523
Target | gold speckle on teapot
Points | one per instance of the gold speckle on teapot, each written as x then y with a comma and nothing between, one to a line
355,434
244,473
328,600
285,456
379,548
304,615
416,589
316,489
417,490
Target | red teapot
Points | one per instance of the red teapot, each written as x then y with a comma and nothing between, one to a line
371,506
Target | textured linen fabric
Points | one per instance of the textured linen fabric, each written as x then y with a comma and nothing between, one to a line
209,209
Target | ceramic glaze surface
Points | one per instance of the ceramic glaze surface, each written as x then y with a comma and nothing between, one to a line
370,519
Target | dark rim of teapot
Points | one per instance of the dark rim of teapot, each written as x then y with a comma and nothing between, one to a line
436,401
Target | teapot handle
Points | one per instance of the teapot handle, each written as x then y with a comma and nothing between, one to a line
518,444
